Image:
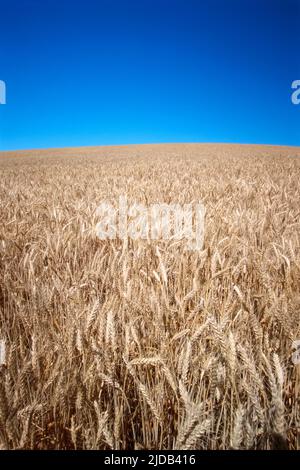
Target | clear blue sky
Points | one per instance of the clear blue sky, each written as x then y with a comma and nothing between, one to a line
138,71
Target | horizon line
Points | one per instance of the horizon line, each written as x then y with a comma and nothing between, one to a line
64,147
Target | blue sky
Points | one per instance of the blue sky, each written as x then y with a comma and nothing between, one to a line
119,72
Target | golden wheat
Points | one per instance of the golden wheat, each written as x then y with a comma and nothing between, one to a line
142,344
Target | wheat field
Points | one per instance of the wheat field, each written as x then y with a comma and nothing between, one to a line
145,345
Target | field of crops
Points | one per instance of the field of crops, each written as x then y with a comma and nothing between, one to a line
144,344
